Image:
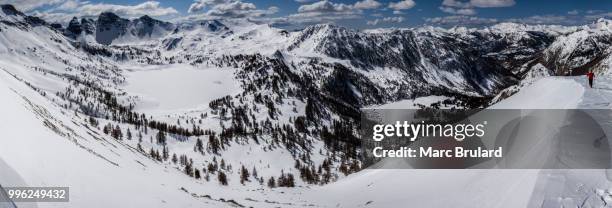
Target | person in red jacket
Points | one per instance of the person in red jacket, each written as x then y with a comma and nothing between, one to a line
591,76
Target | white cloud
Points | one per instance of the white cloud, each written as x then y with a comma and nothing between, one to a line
402,5
151,8
456,3
200,5
30,5
367,4
574,17
460,20
328,6
319,11
461,11
56,17
593,11
324,6
468,7
596,15
386,19
492,3
62,13
69,5
227,9
327,11
547,19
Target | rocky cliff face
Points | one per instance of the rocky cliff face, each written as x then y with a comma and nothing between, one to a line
109,26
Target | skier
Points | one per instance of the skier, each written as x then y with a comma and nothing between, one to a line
590,75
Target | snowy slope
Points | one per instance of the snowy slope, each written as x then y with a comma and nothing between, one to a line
460,188
44,145
569,188
546,93
39,68
493,188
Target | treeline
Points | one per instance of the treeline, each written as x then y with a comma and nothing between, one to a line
271,83
111,109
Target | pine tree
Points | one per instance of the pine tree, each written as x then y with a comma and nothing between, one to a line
93,122
165,153
343,168
116,133
174,159
271,182
290,180
188,170
223,164
213,144
211,168
199,146
161,138
254,172
222,178
106,129
197,174
244,175
129,134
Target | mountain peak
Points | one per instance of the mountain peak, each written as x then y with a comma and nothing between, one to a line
326,29
146,17
74,28
149,20
212,25
324,25
108,16
9,9
603,24
74,20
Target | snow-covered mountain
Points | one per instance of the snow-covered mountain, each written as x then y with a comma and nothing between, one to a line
109,28
191,105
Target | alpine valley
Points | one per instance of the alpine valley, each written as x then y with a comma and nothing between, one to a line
231,113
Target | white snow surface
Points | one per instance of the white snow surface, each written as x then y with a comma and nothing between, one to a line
492,188
412,103
43,145
157,87
546,93
99,172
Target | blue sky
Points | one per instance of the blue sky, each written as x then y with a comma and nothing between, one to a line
351,13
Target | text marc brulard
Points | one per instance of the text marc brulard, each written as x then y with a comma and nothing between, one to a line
430,152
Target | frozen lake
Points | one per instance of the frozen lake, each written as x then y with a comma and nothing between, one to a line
172,88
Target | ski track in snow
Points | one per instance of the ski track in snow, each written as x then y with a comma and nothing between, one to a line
600,96
579,188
